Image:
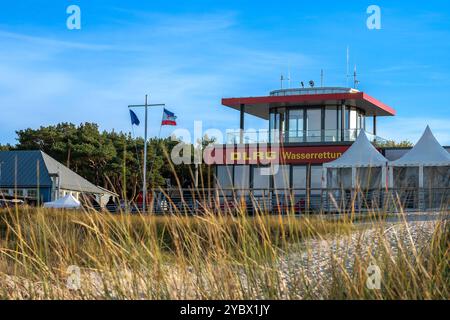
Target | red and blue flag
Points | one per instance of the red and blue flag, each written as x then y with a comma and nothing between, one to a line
169,118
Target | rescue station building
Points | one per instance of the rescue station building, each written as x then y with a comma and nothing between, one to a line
307,127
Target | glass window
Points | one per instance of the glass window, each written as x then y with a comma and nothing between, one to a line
353,120
314,124
296,125
277,124
261,181
32,193
316,179
299,179
224,177
281,178
242,177
331,124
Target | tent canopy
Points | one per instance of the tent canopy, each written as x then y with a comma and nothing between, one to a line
361,154
426,152
67,202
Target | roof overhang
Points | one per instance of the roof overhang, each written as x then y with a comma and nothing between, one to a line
260,106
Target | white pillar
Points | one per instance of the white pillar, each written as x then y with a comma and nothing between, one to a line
353,177
384,183
324,178
420,177
391,176
421,191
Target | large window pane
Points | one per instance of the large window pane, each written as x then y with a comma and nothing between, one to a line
261,181
331,124
316,179
281,179
242,177
224,177
296,126
314,125
299,179
277,125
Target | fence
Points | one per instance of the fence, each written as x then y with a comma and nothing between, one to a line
299,201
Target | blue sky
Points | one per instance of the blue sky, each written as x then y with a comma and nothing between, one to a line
190,54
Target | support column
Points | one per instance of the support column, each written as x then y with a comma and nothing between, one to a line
241,124
374,125
421,199
343,120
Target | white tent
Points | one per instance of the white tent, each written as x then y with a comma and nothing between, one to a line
426,152
360,160
426,166
67,202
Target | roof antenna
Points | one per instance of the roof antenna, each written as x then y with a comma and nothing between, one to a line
321,77
348,63
281,80
289,76
355,80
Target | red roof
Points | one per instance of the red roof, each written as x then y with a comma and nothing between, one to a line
259,106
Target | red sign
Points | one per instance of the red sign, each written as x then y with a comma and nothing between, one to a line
265,155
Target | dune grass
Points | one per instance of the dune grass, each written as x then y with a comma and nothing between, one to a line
207,257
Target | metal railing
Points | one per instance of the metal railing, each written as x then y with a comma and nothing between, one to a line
282,201
296,136
314,90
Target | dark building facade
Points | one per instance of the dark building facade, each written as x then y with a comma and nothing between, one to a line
35,177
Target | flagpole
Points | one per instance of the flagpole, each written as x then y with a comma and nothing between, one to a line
144,187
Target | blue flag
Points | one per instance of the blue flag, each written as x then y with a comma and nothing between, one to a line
134,118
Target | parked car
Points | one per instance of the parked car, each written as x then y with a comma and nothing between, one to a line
11,203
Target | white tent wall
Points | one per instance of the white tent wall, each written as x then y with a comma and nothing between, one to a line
369,178
412,176
359,174
436,193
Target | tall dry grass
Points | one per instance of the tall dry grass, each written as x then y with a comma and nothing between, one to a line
213,257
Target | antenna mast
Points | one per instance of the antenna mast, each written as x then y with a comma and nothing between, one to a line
348,63
289,77
321,77
355,80
281,80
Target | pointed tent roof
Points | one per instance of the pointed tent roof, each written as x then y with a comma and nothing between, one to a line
361,154
67,202
426,152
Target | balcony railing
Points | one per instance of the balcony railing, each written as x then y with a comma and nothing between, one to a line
310,136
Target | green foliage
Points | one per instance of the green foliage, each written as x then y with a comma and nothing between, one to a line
109,159
5,147
394,144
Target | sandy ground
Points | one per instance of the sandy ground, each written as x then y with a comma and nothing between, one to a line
314,258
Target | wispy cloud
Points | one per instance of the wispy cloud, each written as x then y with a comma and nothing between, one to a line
189,62
51,42
412,128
